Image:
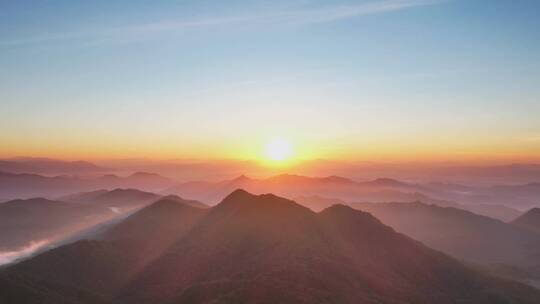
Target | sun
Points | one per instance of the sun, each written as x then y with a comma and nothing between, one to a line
278,150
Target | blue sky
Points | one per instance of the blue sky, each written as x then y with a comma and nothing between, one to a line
357,79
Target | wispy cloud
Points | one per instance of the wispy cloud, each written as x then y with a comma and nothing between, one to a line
305,16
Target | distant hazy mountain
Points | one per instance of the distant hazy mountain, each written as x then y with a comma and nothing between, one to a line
39,220
255,249
318,203
35,220
177,199
140,180
462,234
523,196
49,166
380,190
117,198
530,220
320,192
500,212
484,175
33,185
517,196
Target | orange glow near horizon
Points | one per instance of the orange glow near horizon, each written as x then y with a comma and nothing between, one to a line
269,150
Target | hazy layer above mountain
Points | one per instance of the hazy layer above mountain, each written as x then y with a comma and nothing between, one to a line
263,249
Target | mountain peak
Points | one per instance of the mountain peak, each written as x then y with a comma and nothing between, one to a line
530,220
347,213
168,206
238,194
263,205
240,179
532,213
535,211
179,200
159,223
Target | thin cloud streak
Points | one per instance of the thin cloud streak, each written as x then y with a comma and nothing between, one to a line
294,17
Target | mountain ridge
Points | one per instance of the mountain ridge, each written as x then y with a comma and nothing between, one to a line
267,249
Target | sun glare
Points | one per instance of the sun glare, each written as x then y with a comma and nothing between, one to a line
278,150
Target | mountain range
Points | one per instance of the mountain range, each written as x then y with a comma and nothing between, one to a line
49,166
503,202
24,185
465,235
251,249
321,192
38,220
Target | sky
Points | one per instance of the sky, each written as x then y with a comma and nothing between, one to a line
367,80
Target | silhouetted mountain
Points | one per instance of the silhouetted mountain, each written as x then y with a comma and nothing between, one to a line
168,216
263,249
24,290
530,220
104,266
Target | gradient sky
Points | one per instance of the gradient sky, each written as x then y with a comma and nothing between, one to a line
390,79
